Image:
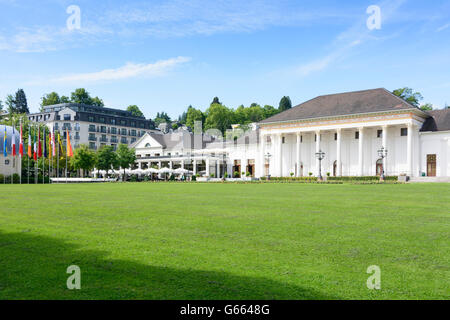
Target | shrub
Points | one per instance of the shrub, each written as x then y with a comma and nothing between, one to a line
172,177
133,178
16,178
236,174
212,175
310,174
363,179
248,174
194,178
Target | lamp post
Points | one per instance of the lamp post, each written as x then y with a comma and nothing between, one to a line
382,153
267,156
320,156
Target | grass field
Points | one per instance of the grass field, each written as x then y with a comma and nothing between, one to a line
225,241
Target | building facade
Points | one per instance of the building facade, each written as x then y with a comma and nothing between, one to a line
92,125
349,129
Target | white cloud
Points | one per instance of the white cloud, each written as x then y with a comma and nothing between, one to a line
129,70
442,28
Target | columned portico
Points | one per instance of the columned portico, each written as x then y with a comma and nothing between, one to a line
409,155
338,152
318,138
280,154
298,154
384,145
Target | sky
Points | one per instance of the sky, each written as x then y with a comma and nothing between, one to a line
167,55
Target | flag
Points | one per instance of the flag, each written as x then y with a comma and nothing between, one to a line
50,149
13,143
34,146
44,140
5,148
29,142
21,141
60,146
39,143
53,142
69,146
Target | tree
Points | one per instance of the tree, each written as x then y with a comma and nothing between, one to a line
1,105
409,96
125,157
162,118
50,99
270,111
106,158
83,158
285,104
21,102
218,117
426,107
11,104
64,99
194,115
216,101
80,95
135,111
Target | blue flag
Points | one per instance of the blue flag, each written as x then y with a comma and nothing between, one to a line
5,145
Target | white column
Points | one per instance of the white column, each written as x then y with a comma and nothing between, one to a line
217,169
262,156
360,152
338,153
280,156
159,164
170,165
140,165
182,164
207,167
409,150
384,137
317,150
298,154
195,167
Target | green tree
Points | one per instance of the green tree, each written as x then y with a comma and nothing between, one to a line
285,104
64,99
135,111
83,159
21,102
125,157
426,107
1,105
218,117
11,104
161,118
216,101
193,115
106,158
409,96
50,99
270,111
80,95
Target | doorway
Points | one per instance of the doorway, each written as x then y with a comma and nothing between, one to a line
379,167
431,165
335,168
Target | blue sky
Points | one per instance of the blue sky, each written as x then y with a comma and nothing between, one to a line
166,55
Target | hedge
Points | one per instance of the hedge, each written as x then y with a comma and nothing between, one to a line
365,178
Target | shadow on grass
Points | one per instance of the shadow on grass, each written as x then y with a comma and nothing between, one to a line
34,267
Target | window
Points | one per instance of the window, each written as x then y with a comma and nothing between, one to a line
379,133
92,137
114,139
315,137
103,129
301,139
113,121
91,119
67,117
113,130
283,139
335,136
357,135
403,132
91,128
124,140
147,145
133,124
123,123
77,127
133,133
124,132
102,119
92,146
133,140
56,125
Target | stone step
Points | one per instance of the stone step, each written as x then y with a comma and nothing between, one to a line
430,179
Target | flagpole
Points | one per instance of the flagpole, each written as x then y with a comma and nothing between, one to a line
67,139
57,160
20,155
13,136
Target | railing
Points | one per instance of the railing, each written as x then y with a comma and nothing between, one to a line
92,129
103,140
92,139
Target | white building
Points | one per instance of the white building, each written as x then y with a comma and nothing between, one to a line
350,128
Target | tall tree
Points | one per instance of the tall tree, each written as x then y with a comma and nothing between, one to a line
194,115
216,101
1,105
64,99
218,117
21,102
270,111
106,158
125,157
409,96
50,99
11,104
80,95
83,158
285,104
161,118
135,111
97,102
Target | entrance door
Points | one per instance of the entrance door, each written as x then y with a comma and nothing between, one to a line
335,168
379,167
431,165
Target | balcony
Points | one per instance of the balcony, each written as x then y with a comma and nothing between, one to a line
104,140
114,140
92,139
92,129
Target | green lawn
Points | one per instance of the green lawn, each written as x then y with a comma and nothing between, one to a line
225,241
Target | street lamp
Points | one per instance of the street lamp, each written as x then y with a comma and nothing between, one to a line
267,156
320,156
382,153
